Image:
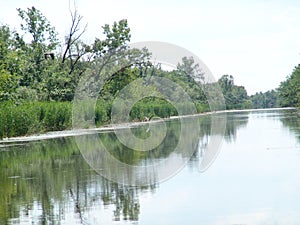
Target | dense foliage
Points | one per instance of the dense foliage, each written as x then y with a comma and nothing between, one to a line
289,90
32,66
267,99
39,75
236,97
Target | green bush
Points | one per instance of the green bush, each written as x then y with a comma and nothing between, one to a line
33,117
27,118
102,112
56,115
152,107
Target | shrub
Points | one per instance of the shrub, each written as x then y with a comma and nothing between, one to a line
33,117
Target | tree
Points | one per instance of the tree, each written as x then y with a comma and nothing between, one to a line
43,39
116,35
75,49
190,76
191,70
235,96
289,90
37,25
226,82
11,64
265,100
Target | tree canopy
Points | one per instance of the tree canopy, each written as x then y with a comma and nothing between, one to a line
289,90
32,65
235,96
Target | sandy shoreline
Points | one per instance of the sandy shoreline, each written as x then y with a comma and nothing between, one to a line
111,127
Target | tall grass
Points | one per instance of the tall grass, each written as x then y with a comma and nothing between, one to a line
33,117
37,117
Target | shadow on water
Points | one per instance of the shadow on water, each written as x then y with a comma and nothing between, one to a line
44,181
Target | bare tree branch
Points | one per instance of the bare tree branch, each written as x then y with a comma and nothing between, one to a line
74,35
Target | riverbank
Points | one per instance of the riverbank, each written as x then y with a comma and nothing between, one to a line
30,118
111,127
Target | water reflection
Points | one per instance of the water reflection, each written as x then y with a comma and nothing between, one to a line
114,160
44,181
49,181
235,121
291,120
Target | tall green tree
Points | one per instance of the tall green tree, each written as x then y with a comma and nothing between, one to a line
236,97
11,64
42,40
289,90
189,69
116,36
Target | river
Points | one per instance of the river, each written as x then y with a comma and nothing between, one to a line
253,176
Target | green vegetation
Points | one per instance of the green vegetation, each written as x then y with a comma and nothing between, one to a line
268,99
33,117
33,68
236,97
39,75
286,95
289,90
38,81
37,117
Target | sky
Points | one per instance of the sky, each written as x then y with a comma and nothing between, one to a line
257,41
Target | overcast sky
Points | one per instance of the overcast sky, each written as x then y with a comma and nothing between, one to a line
258,42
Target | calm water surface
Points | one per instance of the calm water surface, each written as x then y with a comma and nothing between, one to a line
255,179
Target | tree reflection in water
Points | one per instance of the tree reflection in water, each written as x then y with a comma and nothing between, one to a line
44,181
291,120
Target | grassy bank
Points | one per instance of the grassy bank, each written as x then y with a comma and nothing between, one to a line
38,117
33,117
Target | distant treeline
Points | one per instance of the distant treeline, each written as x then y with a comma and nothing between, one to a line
236,97
286,95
